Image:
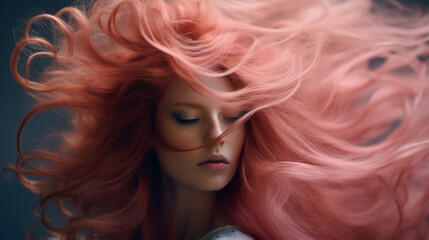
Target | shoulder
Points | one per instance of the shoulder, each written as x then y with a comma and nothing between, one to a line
226,233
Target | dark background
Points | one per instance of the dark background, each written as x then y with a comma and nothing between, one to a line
15,201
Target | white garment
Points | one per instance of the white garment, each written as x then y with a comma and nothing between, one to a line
223,233
226,233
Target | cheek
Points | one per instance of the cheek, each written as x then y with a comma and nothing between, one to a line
178,137
236,140
178,165
169,163
172,160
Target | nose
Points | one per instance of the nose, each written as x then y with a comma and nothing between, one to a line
214,130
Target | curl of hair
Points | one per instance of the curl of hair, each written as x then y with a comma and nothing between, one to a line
336,93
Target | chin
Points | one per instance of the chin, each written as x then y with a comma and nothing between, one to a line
214,186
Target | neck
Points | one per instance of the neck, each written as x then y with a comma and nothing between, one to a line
193,210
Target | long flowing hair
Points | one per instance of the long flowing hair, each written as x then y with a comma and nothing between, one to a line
335,95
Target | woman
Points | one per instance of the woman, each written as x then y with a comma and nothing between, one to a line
280,119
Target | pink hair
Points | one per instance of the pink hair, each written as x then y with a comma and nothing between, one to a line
336,94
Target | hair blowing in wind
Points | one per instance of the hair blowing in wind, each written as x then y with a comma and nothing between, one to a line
335,93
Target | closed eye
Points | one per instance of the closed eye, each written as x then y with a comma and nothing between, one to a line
179,118
235,118
187,121
231,119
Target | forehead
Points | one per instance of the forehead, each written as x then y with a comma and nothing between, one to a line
178,91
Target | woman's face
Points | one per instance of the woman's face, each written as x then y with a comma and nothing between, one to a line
187,120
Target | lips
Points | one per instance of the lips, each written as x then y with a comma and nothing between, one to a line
214,162
214,158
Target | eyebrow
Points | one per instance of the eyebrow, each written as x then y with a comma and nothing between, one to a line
188,104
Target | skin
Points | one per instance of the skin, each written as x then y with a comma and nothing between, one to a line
185,120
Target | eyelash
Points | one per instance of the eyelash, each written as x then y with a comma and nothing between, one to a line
235,118
188,121
184,121
232,119
195,120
